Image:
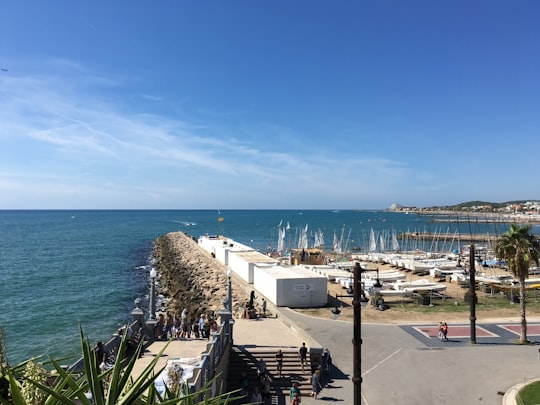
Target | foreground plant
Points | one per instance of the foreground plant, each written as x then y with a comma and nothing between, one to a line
114,386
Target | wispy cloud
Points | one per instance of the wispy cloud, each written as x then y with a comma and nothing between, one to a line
71,128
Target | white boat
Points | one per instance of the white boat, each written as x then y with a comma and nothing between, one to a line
384,276
418,285
429,287
345,282
437,272
395,293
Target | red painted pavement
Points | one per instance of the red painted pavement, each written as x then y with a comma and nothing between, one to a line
457,331
532,330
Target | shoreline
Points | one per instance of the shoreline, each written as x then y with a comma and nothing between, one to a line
489,217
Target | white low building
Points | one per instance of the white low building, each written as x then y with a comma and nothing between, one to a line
291,286
243,263
220,247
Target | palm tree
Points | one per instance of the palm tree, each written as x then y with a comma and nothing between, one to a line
520,248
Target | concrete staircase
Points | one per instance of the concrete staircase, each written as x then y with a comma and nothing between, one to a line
242,360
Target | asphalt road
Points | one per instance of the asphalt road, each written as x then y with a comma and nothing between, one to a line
397,367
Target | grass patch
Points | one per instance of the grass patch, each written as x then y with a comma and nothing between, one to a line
530,394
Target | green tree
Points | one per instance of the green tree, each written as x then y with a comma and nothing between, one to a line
520,248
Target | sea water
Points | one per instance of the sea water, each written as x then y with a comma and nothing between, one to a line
63,269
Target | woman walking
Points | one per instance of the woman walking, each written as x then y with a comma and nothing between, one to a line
316,386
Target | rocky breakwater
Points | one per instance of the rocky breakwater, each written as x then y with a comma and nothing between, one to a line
191,277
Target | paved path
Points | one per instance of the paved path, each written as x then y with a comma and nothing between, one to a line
401,365
337,336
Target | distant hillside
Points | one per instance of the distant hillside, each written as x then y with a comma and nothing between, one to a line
470,204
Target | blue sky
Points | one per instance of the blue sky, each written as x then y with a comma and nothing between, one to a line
268,104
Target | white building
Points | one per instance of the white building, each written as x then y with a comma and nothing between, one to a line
292,286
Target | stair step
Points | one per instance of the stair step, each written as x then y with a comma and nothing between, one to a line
246,361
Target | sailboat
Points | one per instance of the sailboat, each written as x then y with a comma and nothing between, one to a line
336,246
395,243
372,241
281,240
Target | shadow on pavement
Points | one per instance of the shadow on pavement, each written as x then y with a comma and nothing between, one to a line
335,380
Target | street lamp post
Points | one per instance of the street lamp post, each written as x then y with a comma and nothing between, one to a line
229,290
359,299
472,295
225,314
153,274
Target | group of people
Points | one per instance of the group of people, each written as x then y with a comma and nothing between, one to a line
261,392
169,326
443,332
316,384
250,311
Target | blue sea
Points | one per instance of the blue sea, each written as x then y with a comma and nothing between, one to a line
61,269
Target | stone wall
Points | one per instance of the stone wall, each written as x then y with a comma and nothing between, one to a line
191,277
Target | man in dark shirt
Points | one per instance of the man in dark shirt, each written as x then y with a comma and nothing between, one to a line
302,353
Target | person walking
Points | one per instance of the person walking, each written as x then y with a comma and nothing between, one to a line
264,382
302,354
295,393
316,386
264,308
326,362
261,367
445,332
440,331
201,326
279,362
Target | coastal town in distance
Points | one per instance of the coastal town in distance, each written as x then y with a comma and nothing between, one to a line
520,211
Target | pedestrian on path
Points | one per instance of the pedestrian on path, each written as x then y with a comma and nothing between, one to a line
295,393
440,331
445,332
302,353
261,367
279,361
264,307
264,382
316,386
326,362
